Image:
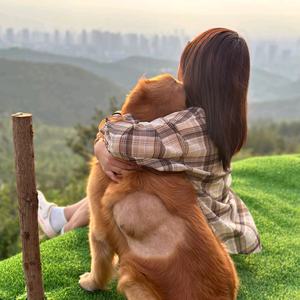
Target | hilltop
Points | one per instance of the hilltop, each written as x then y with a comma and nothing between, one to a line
271,194
56,93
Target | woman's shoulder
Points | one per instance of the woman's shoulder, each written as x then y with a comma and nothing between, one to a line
192,113
188,123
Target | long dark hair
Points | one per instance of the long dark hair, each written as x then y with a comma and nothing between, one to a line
215,70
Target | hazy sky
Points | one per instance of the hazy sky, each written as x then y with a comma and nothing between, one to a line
255,18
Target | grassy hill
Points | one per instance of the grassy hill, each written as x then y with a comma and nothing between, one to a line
57,93
270,188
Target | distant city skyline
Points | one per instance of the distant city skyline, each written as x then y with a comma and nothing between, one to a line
109,46
95,44
253,19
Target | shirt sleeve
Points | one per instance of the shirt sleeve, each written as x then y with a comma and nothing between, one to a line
166,144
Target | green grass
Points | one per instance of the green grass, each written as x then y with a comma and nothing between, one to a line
63,260
269,186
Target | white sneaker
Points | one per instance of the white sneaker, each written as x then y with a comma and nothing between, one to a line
44,211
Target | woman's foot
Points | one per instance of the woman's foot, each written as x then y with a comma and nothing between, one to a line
51,218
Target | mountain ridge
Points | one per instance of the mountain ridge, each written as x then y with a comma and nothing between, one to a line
123,73
126,72
57,93
278,110
64,94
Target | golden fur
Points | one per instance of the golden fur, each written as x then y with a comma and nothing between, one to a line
152,222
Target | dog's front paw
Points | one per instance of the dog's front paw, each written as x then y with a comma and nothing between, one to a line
88,283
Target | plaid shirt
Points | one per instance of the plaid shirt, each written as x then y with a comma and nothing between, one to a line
179,142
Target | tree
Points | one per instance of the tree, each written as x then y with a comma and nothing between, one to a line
9,222
82,142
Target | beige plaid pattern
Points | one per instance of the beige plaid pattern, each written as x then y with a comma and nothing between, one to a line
179,142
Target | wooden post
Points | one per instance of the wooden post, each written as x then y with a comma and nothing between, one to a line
28,204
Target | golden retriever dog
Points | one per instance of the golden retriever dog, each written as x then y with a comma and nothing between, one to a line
151,220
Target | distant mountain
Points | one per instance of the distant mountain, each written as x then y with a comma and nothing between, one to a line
263,83
59,94
289,90
64,90
127,72
152,65
288,109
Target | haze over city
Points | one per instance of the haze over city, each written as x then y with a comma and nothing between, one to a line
254,19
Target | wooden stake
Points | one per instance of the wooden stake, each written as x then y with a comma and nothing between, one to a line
28,204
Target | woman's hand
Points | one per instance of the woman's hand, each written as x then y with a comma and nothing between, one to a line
112,165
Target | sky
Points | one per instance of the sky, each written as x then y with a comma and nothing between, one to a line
254,19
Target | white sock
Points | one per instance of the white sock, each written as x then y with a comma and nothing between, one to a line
63,230
57,218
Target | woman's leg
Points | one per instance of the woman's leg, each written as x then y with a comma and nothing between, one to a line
70,210
55,220
77,215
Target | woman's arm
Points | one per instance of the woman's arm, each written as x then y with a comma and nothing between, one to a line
166,144
111,165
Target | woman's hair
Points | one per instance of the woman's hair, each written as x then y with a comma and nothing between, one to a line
215,70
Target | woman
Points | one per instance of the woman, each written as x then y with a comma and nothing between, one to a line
200,140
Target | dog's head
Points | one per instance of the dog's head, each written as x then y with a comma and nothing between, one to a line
154,98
